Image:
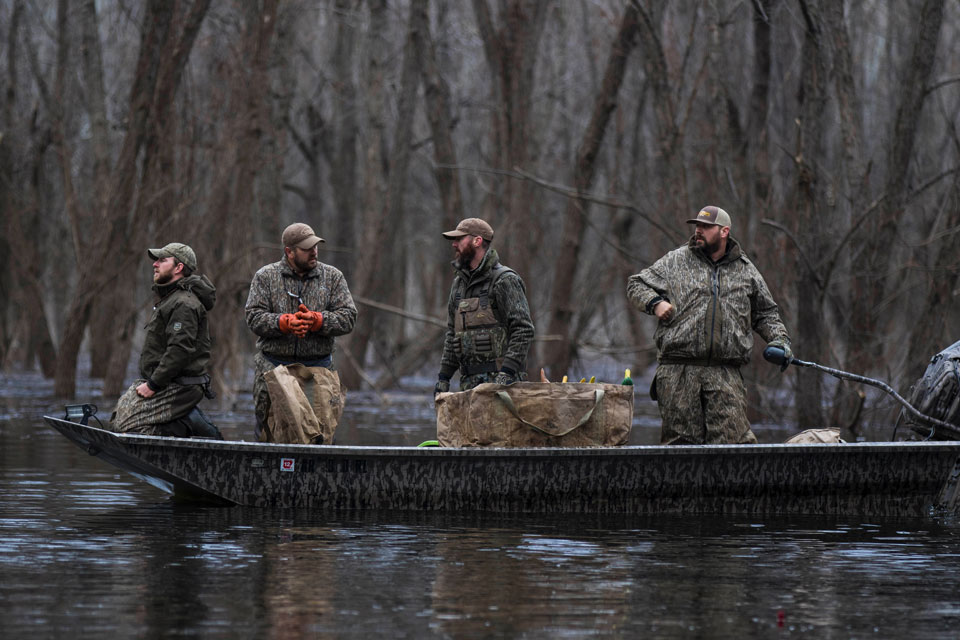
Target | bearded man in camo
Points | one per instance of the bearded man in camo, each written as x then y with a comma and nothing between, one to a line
176,351
296,307
708,297
489,329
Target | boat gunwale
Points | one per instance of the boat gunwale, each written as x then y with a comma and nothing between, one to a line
244,446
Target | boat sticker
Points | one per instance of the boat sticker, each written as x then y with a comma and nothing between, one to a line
288,464
256,462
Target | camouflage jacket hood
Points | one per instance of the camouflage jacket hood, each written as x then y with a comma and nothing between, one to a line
718,305
273,292
510,306
177,341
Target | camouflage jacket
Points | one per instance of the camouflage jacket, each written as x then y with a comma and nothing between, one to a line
509,302
717,305
178,337
323,289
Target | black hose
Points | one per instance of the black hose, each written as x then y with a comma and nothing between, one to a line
777,356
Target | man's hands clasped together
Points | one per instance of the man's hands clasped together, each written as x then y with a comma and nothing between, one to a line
300,323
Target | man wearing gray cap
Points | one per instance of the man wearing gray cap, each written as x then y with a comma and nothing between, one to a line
708,297
296,307
489,329
176,351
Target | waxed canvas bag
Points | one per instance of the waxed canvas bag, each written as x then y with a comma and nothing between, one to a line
816,436
305,404
536,414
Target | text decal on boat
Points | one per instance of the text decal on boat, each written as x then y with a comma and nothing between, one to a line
288,464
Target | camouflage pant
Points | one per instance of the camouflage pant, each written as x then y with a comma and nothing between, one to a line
702,405
150,416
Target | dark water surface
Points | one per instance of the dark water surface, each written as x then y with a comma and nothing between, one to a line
86,551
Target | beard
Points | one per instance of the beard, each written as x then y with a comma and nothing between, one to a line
162,277
709,248
466,256
304,265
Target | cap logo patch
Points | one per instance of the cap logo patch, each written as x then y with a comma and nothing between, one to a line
704,214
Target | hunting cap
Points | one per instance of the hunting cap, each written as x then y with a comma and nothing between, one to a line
177,250
471,227
712,215
300,235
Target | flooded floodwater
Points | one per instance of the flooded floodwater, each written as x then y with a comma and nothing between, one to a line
87,551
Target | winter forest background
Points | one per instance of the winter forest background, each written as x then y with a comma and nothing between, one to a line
585,131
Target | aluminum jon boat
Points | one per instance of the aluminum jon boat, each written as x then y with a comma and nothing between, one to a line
901,479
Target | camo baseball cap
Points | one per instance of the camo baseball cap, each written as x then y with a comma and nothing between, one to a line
712,215
471,227
177,250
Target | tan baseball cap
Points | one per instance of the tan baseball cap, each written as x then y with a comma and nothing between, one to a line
471,227
712,215
300,235
177,250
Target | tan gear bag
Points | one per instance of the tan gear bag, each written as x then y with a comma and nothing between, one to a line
815,436
536,414
305,404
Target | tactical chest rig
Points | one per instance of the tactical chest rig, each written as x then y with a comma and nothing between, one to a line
481,339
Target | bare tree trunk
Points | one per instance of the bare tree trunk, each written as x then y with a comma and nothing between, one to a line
873,270
163,54
344,166
244,139
562,307
24,330
511,53
853,177
808,210
437,105
669,161
385,210
101,336
437,99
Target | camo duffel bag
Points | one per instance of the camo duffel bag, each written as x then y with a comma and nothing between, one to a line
536,414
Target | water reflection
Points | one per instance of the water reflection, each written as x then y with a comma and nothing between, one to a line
89,552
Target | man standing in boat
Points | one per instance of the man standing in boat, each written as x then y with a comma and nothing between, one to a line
296,307
489,329
707,297
176,351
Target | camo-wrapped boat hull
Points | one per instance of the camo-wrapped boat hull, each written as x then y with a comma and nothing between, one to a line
877,479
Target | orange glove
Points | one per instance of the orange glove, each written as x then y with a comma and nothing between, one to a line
313,318
290,323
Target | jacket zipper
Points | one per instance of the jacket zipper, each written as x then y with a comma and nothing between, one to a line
713,320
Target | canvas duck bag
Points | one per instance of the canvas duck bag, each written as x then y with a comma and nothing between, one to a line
536,414
305,404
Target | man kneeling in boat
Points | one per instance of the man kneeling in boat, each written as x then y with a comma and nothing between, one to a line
176,351
296,307
707,297
489,329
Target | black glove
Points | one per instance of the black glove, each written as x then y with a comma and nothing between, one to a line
505,377
442,386
784,344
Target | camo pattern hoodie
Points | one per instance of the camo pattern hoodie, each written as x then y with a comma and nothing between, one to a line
717,305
